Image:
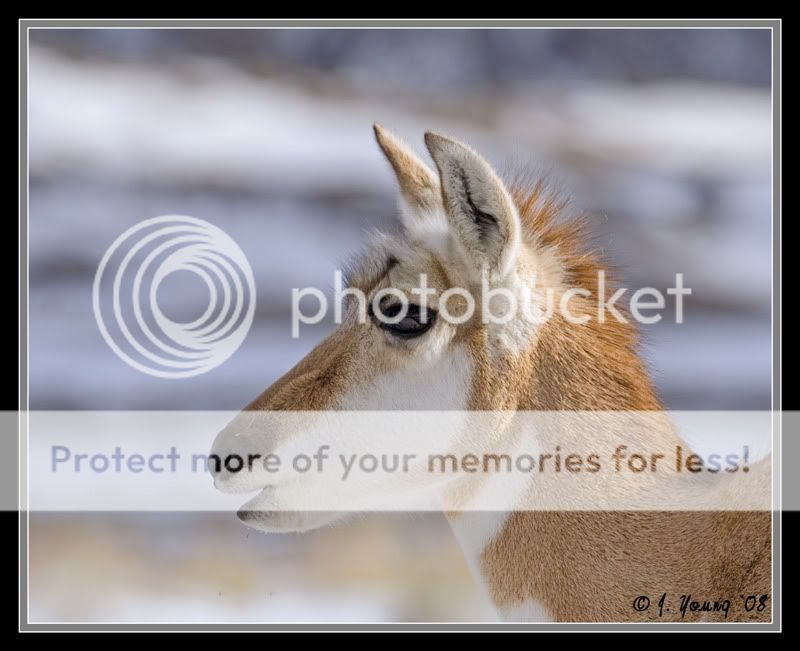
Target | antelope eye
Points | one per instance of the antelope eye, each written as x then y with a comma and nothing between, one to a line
412,325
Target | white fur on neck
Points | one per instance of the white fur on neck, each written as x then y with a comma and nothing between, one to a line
528,611
480,523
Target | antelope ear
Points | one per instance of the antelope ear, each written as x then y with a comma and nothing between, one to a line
479,209
419,187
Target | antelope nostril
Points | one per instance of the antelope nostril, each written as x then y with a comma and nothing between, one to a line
224,462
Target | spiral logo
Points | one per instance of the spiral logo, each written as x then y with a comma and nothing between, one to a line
129,277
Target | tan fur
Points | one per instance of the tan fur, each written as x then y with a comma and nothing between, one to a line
590,566
314,383
580,566
418,186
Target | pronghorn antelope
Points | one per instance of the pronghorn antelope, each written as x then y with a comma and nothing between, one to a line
458,222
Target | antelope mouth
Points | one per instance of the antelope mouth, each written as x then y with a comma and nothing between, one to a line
264,513
262,502
237,484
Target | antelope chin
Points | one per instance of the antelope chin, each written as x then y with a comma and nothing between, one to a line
283,521
263,513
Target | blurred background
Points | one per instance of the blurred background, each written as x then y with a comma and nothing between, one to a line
664,136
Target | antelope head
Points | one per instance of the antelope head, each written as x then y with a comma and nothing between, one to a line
420,339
